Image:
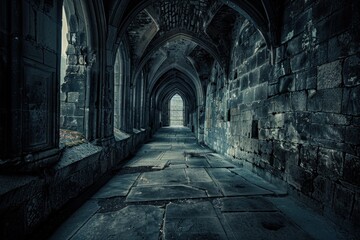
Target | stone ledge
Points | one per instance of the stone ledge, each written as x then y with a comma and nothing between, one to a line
28,201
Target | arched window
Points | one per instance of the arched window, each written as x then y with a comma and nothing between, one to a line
118,89
73,74
176,111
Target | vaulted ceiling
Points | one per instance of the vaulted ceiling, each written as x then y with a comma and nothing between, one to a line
185,35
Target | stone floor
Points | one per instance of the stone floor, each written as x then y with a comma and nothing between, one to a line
174,188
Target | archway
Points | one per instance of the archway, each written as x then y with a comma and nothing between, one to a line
176,111
73,74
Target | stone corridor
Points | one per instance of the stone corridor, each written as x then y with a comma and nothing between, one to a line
174,188
262,90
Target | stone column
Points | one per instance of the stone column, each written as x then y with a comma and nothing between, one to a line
30,129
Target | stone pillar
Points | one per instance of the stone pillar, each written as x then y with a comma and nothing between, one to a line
201,121
31,86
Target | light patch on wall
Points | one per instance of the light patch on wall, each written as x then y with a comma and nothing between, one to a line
64,32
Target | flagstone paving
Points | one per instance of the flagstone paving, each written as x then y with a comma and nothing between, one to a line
174,188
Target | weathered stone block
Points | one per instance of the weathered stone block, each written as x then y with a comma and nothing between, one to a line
62,96
299,101
309,157
277,121
248,96
291,133
244,82
329,75
330,118
286,84
261,92
254,78
266,72
35,210
302,21
300,179
311,79
294,46
73,97
352,135
75,123
326,100
300,81
351,101
343,45
321,54
251,60
68,109
330,163
265,147
73,83
343,201
285,155
281,69
281,103
280,53
351,71
70,50
327,132
273,89
300,62
261,57
72,60
264,134
323,190
352,169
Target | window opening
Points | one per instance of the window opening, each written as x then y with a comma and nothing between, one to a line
176,111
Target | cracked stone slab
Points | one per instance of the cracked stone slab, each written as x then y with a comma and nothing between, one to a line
118,186
246,204
160,146
177,166
252,178
145,159
174,158
223,174
218,162
192,221
197,175
132,222
210,188
194,228
167,177
197,162
241,188
191,209
76,220
158,193
264,225
176,161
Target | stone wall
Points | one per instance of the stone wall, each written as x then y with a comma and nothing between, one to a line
27,201
299,118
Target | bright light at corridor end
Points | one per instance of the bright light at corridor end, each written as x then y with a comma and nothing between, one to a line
176,111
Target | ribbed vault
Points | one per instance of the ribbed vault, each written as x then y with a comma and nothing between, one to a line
176,43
